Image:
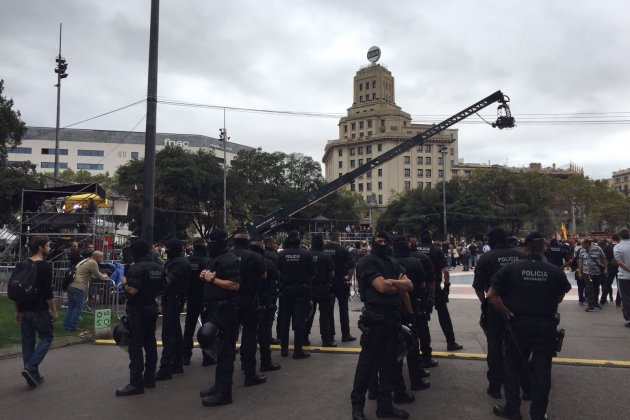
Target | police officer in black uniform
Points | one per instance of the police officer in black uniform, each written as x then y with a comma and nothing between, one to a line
557,254
320,293
297,270
441,294
142,284
271,254
194,299
252,266
176,277
341,285
223,280
382,282
527,294
266,308
500,255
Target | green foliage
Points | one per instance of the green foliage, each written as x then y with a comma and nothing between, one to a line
85,177
12,128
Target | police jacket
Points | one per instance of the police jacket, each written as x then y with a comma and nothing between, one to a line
427,265
252,268
296,267
342,258
556,255
414,270
177,274
531,287
324,265
491,262
146,276
437,257
370,267
225,265
198,262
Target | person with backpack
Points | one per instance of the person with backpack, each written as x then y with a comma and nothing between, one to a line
30,287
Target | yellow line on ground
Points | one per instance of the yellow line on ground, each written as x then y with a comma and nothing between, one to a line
440,354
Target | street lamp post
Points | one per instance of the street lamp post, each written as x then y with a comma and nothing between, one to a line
443,152
224,139
61,74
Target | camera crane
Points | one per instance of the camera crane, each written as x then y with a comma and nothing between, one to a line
504,120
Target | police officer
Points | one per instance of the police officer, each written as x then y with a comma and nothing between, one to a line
297,270
557,254
441,294
271,254
320,293
142,284
341,285
252,267
176,276
266,308
527,294
194,299
500,255
427,296
382,282
222,278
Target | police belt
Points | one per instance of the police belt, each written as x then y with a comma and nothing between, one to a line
381,312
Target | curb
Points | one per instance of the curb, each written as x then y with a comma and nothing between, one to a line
16,351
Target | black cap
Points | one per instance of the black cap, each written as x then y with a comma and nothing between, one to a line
173,244
139,247
534,236
382,233
217,235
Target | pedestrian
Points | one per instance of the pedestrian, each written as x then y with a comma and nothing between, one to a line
527,294
74,256
622,257
592,267
440,267
222,277
142,284
613,269
493,322
86,271
340,285
271,254
382,280
176,277
297,271
321,298
37,315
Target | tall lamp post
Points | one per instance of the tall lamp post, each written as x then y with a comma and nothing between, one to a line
61,74
443,153
224,139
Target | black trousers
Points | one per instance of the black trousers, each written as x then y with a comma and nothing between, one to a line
495,332
443,316
591,288
248,320
378,354
267,313
424,335
532,339
293,307
225,314
341,292
194,309
580,284
172,340
142,322
322,299
608,282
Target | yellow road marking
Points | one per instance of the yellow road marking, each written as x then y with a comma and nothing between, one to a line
442,355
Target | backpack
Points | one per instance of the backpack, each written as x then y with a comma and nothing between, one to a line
68,277
22,287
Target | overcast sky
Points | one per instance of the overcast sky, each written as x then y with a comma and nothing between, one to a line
550,57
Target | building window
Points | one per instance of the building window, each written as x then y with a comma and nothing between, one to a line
420,184
340,164
418,149
407,185
373,96
360,186
21,150
360,150
407,172
419,160
360,86
353,126
90,166
440,160
380,185
380,172
369,174
122,154
452,162
428,185
452,151
63,152
373,84
420,172
454,173
427,148
360,125
382,123
467,173
51,165
369,133
368,186
352,163
340,174
361,134
368,150
360,162
369,124
368,159
352,151
134,155
380,199
428,172
345,128
427,160
407,160
352,187
339,152
354,136
361,98
379,147
440,173
97,153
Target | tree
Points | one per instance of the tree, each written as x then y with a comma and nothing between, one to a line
85,177
12,128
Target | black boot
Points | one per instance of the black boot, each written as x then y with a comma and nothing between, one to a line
129,390
393,413
502,411
269,367
404,398
163,375
357,413
218,398
208,391
301,354
421,384
430,363
255,380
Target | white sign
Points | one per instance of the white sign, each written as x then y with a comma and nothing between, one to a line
170,142
374,54
102,318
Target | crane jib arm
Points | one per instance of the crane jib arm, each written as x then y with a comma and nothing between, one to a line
418,140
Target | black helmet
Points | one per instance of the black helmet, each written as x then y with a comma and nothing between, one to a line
405,341
207,337
122,333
